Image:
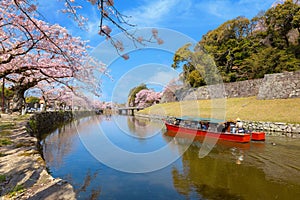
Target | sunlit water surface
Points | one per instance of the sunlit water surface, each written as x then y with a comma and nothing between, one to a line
258,170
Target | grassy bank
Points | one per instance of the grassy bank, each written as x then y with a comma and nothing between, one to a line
277,110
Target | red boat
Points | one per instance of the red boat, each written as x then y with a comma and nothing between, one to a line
202,127
223,143
258,136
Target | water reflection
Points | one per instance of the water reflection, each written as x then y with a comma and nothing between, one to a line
223,174
257,170
95,192
63,141
141,128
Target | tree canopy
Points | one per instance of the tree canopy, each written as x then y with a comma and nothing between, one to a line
146,98
133,92
245,49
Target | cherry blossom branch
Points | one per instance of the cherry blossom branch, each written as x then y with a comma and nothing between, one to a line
42,31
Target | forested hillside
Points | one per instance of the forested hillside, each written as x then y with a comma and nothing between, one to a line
245,48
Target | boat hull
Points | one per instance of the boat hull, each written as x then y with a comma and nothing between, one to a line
241,138
258,136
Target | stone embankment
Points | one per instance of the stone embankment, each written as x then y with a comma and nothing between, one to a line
274,128
23,172
271,128
45,122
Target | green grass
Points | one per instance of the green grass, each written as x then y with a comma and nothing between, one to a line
277,110
5,133
23,117
29,153
5,141
17,189
24,144
2,178
4,126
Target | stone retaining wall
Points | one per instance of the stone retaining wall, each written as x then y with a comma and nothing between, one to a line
230,90
274,128
272,86
45,122
280,86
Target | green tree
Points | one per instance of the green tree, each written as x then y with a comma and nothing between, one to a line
246,49
229,45
270,60
8,94
133,92
280,20
198,67
32,99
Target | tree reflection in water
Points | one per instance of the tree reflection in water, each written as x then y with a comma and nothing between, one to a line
218,176
265,172
95,192
143,127
59,143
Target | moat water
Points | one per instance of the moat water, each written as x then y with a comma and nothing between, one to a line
256,170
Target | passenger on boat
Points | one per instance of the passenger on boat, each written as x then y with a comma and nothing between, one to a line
232,128
239,125
176,122
199,125
204,126
221,127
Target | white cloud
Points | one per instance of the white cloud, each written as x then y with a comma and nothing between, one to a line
163,78
93,27
152,12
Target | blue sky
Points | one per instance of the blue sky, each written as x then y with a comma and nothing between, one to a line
192,18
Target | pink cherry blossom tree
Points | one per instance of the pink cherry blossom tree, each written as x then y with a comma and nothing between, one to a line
18,35
34,54
146,98
110,18
49,54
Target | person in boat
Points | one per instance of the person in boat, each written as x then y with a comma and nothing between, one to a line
230,127
204,126
176,122
199,125
239,125
221,128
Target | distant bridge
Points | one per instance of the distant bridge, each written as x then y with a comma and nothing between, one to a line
128,110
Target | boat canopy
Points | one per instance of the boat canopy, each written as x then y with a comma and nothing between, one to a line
198,119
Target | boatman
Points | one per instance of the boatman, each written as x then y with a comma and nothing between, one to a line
239,125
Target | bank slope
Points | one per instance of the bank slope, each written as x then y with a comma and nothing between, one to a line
250,108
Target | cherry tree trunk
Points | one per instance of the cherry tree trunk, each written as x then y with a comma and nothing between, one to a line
18,100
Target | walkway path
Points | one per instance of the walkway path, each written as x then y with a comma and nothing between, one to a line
23,172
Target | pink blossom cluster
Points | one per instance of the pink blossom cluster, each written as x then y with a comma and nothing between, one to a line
34,54
106,105
110,15
146,98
